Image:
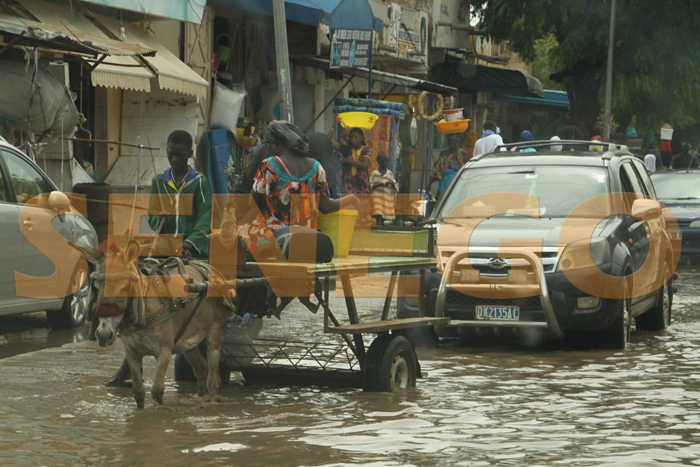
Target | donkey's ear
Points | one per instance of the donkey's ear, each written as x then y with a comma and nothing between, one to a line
91,254
132,252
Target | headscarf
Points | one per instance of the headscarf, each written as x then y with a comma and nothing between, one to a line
556,147
526,136
287,134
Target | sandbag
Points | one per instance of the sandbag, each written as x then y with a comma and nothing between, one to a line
226,107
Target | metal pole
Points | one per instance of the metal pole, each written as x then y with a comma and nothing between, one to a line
284,77
371,54
608,78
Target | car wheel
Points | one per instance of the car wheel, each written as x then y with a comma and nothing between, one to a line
390,364
618,335
75,307
657,318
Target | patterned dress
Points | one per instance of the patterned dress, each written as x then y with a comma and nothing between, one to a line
288,201
449,165
355,180
453,161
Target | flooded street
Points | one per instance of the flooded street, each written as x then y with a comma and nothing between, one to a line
499,405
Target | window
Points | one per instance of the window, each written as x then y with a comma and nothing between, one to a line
26,180
4,196
642,171
630,181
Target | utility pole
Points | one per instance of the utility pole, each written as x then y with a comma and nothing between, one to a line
284,77
609,77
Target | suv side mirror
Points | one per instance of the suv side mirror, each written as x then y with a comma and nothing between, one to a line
645,209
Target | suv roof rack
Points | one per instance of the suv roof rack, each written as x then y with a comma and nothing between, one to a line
568,145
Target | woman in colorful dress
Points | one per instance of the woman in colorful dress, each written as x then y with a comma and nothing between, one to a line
286,189
356,160
450,161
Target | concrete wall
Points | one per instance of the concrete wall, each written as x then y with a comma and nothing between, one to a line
167,32
150,116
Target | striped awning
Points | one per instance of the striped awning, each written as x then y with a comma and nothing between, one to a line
130,64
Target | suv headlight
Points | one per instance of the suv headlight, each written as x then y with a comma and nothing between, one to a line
580,254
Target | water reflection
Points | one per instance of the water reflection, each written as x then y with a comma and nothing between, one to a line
502,405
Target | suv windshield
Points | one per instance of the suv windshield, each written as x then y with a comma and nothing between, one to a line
560,189
677,186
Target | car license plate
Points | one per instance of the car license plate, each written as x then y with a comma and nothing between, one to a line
507,313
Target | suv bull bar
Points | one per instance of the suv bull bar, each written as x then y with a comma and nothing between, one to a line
512,253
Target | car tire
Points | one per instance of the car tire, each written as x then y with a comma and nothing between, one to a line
657,318
75,307
390,365
618,335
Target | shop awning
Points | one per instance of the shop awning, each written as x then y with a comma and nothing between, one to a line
171,72
309,12
472,78
558,99
384,77
183,10
129,64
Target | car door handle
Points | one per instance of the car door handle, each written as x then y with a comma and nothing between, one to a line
28,224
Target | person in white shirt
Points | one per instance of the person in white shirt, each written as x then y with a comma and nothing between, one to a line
489,139
650,163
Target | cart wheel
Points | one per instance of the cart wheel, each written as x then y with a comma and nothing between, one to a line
390,365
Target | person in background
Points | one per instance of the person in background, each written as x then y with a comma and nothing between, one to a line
650,163
596,147
525,137
165,217
448,163
685,160
489,139
556,147
356,160
384,189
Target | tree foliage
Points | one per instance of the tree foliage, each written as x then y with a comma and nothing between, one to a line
656,61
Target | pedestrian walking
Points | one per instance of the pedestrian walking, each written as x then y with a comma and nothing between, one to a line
650,163
489,139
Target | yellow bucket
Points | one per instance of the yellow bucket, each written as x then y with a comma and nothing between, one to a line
339,226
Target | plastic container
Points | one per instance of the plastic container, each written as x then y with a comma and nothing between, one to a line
339,226
223,51
363,120
452,115
448,128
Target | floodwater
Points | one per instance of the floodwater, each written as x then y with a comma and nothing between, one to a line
502,405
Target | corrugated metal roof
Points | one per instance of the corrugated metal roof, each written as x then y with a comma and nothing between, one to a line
68,26
74,39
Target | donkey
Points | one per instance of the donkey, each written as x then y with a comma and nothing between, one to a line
121,303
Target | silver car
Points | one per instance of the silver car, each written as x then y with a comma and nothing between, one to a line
39,270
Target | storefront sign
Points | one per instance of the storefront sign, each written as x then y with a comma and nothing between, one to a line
351,48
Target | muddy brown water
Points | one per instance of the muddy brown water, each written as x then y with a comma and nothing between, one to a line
502,405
